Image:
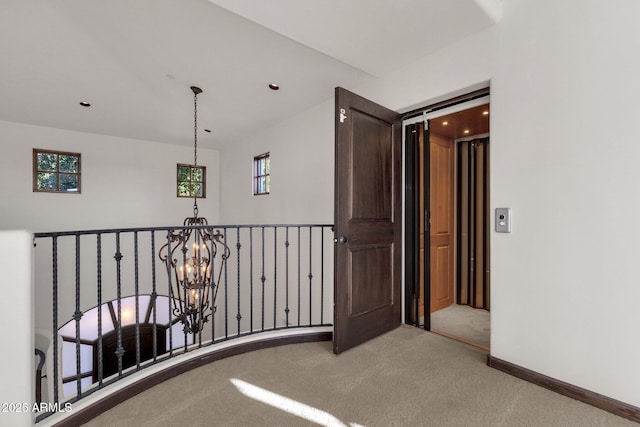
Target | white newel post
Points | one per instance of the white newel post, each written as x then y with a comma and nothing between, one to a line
17,387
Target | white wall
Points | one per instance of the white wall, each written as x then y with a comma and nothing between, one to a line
564,156
17,336
125,182
301,172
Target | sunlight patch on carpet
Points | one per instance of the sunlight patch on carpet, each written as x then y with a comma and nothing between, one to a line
288,405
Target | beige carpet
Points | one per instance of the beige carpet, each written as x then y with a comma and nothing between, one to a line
407,377
469,324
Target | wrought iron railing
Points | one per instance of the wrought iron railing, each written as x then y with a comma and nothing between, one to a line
105,297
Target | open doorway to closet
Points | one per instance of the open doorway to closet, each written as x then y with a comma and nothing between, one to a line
447,207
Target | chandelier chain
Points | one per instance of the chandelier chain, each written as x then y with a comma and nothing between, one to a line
195,129
195,146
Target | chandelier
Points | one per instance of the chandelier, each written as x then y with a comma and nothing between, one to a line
189,256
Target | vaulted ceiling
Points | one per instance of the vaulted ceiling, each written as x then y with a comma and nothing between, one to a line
134,60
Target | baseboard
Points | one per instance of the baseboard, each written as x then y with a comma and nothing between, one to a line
86,414
594,399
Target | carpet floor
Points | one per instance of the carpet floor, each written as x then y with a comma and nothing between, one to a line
407,377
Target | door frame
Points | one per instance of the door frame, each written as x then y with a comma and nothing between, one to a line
411,225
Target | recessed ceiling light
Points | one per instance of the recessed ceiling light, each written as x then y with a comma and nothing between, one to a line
274,86
85,104
208,130
466,131
485,113
445,123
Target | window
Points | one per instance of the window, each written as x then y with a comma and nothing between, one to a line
192,181
261,174
56,171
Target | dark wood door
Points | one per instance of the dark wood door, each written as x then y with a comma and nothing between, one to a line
368,188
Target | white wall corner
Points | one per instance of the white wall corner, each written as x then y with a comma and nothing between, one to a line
16,307
493,9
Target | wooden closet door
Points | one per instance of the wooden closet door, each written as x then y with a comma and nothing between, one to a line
441,221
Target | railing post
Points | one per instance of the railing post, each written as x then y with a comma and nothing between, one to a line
286,278
169,294
99,290
251,279
238,246
226,296
262,279
77,316
299,278
275,277
56,374
154,295
136,293
310,275
119,350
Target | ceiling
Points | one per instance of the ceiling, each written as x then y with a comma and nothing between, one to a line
134,60
462,124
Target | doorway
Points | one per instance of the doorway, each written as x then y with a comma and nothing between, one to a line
447,165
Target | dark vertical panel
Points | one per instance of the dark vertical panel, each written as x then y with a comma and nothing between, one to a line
487,252
479,226
473,225
412,225
424,138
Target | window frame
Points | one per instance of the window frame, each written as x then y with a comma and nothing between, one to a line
203,183
36,170
258,177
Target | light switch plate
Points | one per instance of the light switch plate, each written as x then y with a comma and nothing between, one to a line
503,220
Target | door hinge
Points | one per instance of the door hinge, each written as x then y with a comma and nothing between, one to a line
343,115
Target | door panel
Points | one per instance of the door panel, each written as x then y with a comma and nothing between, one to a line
368,266
441,227
367,291
372,160
473,211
